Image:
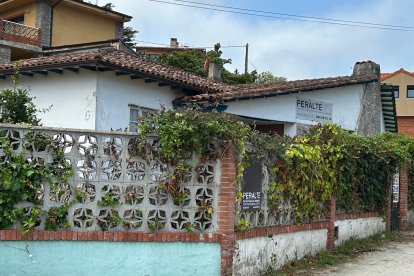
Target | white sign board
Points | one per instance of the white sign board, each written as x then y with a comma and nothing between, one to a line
308,109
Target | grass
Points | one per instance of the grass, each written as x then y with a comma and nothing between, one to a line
343,253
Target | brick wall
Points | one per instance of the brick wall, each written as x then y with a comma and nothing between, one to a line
403,212
406,125
227,211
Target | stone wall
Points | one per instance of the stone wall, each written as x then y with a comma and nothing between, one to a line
369,120
44,20
5,54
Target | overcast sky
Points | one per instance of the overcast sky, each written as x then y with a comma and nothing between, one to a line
294,49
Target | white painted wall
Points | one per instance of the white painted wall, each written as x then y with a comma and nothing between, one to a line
358,228
71,94
115,93
410,217
345,111
257,254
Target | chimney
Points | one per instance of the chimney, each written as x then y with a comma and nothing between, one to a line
214,72
173,42
363,68
370,118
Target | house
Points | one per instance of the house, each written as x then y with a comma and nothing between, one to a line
27,27
154,52
106,89
356,102
403,86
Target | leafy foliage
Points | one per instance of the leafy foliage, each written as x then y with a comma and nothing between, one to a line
193,61
268,77
20,180
17,107
129,36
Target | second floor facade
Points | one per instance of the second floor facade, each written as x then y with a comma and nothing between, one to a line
403,83
28,26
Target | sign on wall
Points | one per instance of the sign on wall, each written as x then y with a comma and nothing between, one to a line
252,187
308,109
396,188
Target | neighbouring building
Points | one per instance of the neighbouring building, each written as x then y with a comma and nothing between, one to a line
403,86
107,89
154,52
27,27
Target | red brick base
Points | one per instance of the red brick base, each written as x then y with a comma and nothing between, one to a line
406,125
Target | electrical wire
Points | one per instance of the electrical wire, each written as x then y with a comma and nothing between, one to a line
338,22
299,16
208,47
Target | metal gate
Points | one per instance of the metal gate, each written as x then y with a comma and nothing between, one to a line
395,202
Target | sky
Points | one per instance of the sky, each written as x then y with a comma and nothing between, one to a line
289,48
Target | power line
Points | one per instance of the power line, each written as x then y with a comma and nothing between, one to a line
208,47
360,25
299,16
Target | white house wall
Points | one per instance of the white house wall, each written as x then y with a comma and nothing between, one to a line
345,111
71,94
115,93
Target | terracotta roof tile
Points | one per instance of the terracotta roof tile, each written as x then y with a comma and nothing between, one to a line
121,60
385,76
208,89
265,90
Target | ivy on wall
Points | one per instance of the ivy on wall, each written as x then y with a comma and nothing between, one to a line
21,178
309,168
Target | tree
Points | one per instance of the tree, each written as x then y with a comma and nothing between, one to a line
193,61
108,6
17,107
268,77
187,60
129,36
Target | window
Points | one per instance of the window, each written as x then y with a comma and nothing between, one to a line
135,112
410,91
17,19
396,91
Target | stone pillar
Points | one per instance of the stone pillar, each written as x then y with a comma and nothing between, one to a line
214,72
403,210
227,211
369,121
119,30
44,21
5,54
330,217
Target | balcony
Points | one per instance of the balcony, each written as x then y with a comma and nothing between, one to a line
19,33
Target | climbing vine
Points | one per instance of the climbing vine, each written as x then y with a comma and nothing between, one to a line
21,177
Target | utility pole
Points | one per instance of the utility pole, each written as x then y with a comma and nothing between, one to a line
246,59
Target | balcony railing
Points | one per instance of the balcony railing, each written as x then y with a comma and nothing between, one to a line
19,33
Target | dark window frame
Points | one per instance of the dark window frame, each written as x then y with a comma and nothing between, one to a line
410,88
396,88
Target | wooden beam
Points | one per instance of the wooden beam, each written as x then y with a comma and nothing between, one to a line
149,80
163,84
73,69
136,77
28,74
41,72
88,67
174,87
105,69
57,71
121,73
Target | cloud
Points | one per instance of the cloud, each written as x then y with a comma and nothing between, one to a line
292,49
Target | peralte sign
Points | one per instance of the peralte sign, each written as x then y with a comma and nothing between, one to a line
308,109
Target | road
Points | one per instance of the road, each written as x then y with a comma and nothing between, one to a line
396,259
